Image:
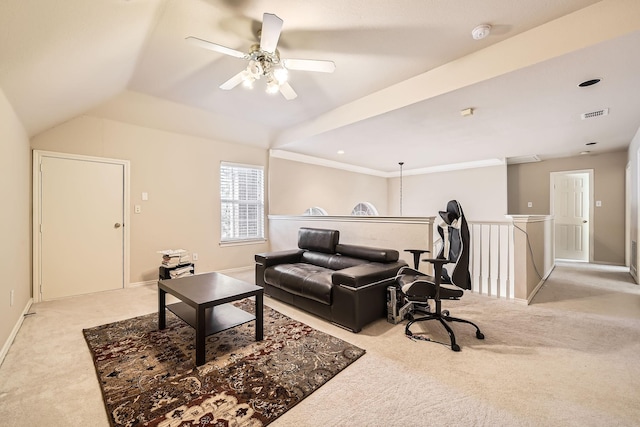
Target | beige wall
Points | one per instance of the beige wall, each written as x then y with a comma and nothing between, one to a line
383,232
482,192
294,187
530,183
15,226
180,173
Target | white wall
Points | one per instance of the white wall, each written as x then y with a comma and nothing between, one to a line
15,223
482,192
181,175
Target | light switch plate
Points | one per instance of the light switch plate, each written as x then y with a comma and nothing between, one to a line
598,203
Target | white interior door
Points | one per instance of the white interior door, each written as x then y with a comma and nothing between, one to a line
81,213
571,199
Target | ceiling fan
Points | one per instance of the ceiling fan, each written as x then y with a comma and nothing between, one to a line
264,60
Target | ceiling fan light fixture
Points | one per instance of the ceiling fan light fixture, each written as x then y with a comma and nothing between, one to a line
248,78
272,86
255,69
281,74
264,60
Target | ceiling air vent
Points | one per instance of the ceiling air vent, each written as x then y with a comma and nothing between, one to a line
592,114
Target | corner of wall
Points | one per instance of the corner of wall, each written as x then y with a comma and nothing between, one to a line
14,332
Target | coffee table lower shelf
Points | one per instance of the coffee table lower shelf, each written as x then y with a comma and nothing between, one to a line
217,319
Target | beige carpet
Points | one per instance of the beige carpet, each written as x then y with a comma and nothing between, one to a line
569,359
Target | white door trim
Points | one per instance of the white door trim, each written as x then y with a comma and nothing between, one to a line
627,215
38,155
591,201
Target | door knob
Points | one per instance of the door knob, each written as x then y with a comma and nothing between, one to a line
117,225
584,221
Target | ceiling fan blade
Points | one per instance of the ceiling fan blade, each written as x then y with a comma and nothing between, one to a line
310,65
215,47
271,28
287,91
232,82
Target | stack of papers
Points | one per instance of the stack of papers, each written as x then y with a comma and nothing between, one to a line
175,257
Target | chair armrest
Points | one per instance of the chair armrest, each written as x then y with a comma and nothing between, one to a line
441,261
268,259
437,267
364,274
417,253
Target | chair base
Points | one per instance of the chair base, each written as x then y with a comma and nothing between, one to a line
443,317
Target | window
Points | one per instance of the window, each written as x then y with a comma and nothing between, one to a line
242,202
315,211
364,209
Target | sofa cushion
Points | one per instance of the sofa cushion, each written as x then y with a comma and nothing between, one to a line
302,279
332,261
366,274
318,239
368,253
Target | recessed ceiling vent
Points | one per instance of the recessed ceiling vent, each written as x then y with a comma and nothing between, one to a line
592,114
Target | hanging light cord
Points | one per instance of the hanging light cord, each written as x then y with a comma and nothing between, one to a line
401,163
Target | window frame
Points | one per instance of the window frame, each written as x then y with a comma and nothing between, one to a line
239,199
367,207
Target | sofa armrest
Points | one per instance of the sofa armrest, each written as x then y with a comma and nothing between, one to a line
267,259
365,274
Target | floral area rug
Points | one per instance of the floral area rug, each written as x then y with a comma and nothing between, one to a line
149,378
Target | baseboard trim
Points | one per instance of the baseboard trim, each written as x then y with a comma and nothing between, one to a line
14,332
236,270
228,271
540,284
145,283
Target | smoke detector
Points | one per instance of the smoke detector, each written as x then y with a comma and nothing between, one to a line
481,31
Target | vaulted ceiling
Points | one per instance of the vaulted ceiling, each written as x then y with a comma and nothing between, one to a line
404,71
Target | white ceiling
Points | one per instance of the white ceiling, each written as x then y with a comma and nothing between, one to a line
404,70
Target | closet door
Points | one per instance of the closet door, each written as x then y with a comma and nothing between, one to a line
81,226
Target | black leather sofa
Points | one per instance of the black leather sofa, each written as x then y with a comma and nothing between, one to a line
345,284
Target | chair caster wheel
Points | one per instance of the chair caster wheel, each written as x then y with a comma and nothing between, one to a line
479,335
445,313
455,347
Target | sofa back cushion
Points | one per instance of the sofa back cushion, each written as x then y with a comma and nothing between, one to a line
332,261
368,253
318,239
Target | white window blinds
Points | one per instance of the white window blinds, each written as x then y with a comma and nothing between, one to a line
242,202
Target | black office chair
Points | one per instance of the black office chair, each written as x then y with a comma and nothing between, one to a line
448,282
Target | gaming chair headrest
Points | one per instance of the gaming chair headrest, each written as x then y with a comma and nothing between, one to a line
453,212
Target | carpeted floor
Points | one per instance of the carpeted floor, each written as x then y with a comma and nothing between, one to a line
148,377
568,359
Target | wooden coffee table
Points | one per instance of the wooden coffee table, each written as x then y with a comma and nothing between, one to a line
205,305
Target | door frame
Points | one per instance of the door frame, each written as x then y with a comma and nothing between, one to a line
627,216
589,172
38,155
